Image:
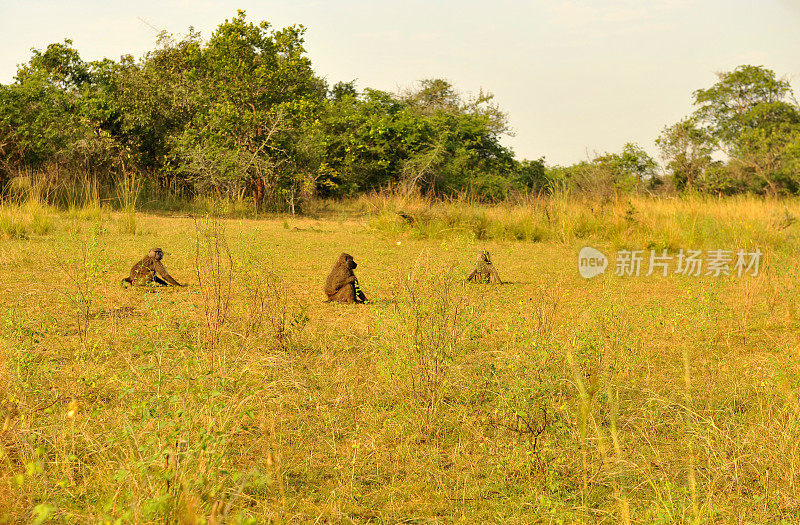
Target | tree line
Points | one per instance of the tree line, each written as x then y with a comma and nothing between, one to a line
243,115
743,137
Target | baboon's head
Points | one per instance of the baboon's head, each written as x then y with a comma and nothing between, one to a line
484,256
347,260
156,253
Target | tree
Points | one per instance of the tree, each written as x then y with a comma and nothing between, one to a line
687,152
60,64
750,116
532,175
459,145
634,162
154,100
430,139
630,170
250,89
244,114
341,90
46,118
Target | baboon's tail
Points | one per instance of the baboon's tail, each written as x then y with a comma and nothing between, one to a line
360,297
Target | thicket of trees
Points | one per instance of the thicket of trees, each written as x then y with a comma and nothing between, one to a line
743,137
751,119
243,115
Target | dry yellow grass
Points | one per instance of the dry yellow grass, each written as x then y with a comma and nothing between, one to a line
246,399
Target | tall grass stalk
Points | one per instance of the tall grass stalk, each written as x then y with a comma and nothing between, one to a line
128,189
214,269
25,210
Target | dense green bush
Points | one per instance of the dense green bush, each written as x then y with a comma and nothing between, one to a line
243,116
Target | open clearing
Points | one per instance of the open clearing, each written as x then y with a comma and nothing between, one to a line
245,398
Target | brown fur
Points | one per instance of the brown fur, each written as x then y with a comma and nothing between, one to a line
341,285
150,270
484,271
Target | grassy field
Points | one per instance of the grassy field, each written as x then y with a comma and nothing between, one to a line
244,398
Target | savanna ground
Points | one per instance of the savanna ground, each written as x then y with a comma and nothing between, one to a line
244,398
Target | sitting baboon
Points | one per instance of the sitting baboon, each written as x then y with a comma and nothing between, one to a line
151,270
342,285
484,271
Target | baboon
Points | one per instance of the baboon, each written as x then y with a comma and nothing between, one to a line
410,219
342,285
484,271
151,270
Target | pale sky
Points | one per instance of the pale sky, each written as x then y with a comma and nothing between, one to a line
576,77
